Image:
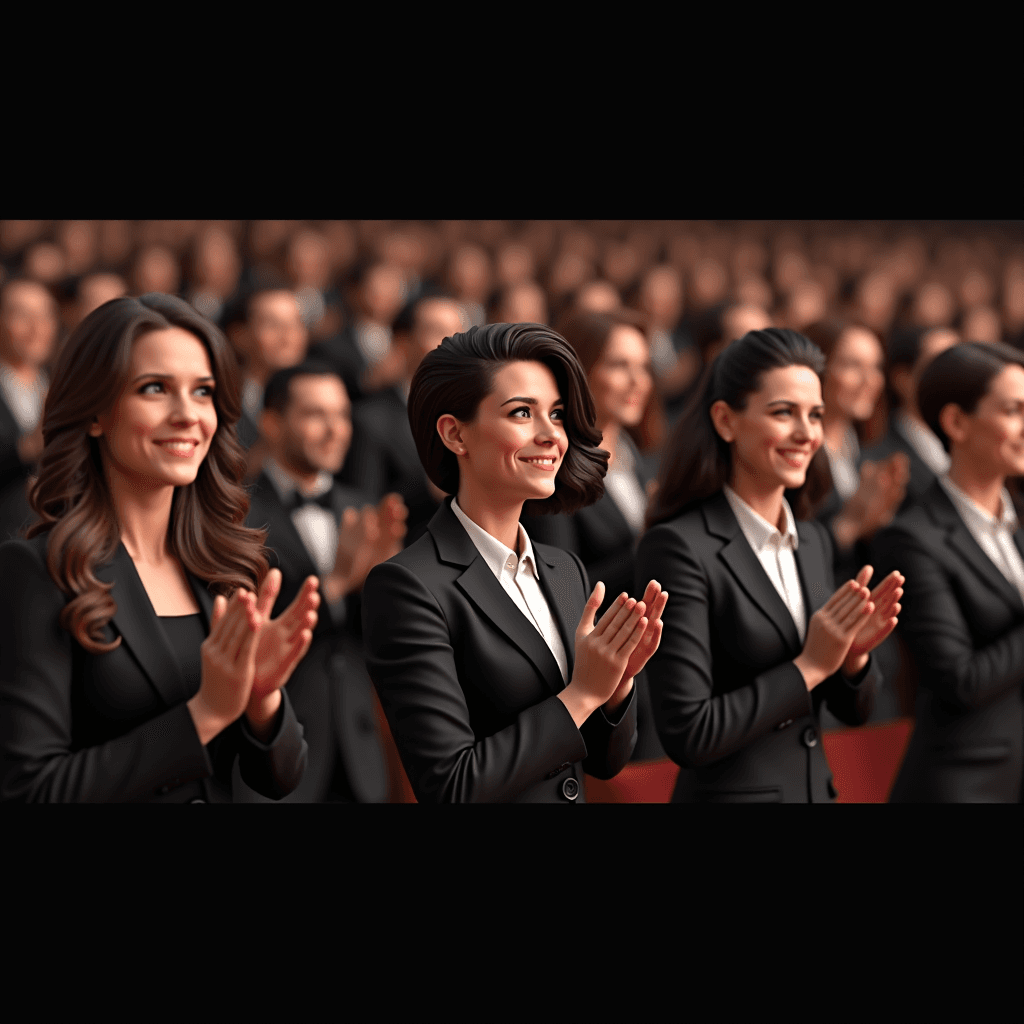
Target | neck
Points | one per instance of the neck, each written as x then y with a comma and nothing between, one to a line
982,488
501,521
765,501
834,428
24,372
304,477
609,438
259,372
913,414
144,516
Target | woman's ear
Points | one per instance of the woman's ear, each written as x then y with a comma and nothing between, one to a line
721,419
952,419
450,430
95,430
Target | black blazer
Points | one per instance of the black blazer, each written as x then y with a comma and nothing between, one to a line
329,689
963,624
15,511
728,700
470,687
114,727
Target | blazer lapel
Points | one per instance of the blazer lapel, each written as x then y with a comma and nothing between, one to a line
140,629
478,583
748,571
962,541
810,563
567,612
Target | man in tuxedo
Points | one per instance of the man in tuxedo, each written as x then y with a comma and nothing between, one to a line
28,332
383,457
264,325
318,527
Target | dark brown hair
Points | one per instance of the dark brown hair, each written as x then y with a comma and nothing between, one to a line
961,375
455,378
71,497
588,332
697,461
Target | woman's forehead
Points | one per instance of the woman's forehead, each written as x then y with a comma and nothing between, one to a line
792,383
526,379
170,351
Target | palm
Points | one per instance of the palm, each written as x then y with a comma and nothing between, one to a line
284,640
881,622
654,601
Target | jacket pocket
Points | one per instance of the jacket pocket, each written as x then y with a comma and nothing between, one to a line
758,795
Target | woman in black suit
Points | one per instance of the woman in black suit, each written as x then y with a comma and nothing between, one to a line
754,638
963,549
127,672
616,358
495,682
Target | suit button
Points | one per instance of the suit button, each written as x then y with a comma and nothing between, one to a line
198,800
570,788
810,737
783,725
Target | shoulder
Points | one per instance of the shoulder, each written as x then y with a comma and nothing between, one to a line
29,584
416,564
25,557
688,530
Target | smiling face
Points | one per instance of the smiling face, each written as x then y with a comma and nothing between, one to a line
991,439
855,375
315,430
620,380
160,428
774,438
512,451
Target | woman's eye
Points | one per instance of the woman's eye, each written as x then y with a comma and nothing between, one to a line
781,412
144,390
558,414
524,409
205,391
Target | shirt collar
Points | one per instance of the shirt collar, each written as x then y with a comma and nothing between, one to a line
756,528
968,508
493,552
286,486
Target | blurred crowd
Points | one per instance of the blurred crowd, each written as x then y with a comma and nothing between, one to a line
367,299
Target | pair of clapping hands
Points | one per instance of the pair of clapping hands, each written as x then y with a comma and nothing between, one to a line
882,488
366,537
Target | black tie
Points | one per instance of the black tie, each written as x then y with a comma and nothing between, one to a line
323,500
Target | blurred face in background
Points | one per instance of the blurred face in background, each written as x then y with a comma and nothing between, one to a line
661,296
381,293
28,324
524,304
855,375
277,336
314,432
991,439
156,270
621,379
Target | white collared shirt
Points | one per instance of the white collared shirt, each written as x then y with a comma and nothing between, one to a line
843,464
993,534
624,488
923,441
774,551
25,403
316,526
520,580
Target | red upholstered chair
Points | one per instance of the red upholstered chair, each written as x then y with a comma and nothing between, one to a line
866,760
640,782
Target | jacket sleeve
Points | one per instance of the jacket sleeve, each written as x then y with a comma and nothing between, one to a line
411,661
610,737
697,726
936,632
38,760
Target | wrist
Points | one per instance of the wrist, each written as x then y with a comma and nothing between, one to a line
854,664
260,714
206,721
813,675
619,697
580,705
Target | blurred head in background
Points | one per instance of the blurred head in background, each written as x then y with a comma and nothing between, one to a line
28,326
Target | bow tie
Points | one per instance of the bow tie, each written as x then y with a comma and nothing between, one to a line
300,500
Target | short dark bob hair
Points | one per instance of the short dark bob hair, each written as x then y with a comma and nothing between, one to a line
697,461
961,375
454,379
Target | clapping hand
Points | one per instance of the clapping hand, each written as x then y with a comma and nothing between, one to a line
882,620
655,600
883,486
366,537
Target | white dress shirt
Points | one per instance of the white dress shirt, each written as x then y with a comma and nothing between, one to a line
520,580
316,526
774,551
25,403
624,488
843,464
923,441
994,534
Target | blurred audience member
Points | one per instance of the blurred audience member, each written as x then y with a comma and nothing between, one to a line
982,323
28,332
384,459
469,280
215,272
317,527
934,305
598,297
265,327
309,270
44,262
155,269
91,291
80,241
514,265
523,303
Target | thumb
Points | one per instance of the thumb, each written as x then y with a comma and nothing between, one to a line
219,607
590,609
864,575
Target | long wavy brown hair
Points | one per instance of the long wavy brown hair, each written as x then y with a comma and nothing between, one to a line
70,495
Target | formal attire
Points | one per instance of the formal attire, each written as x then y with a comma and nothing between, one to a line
329,689
469,645
728,701
20,410
82,727
352,351
604,536
382,458
963,623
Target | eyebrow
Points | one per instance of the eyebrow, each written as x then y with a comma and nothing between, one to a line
165,376
529,401
790,401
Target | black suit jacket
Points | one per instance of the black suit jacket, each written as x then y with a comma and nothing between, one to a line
329,689
728,700
114,727
15,511
383,459
470,687
963,624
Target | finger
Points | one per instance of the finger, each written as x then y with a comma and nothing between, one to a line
850,586
853,618
607,621
236,623
849,595
590,609
633,637
658,607
619,619
865,574
220,606
268,592
628,619
651,593
307,597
